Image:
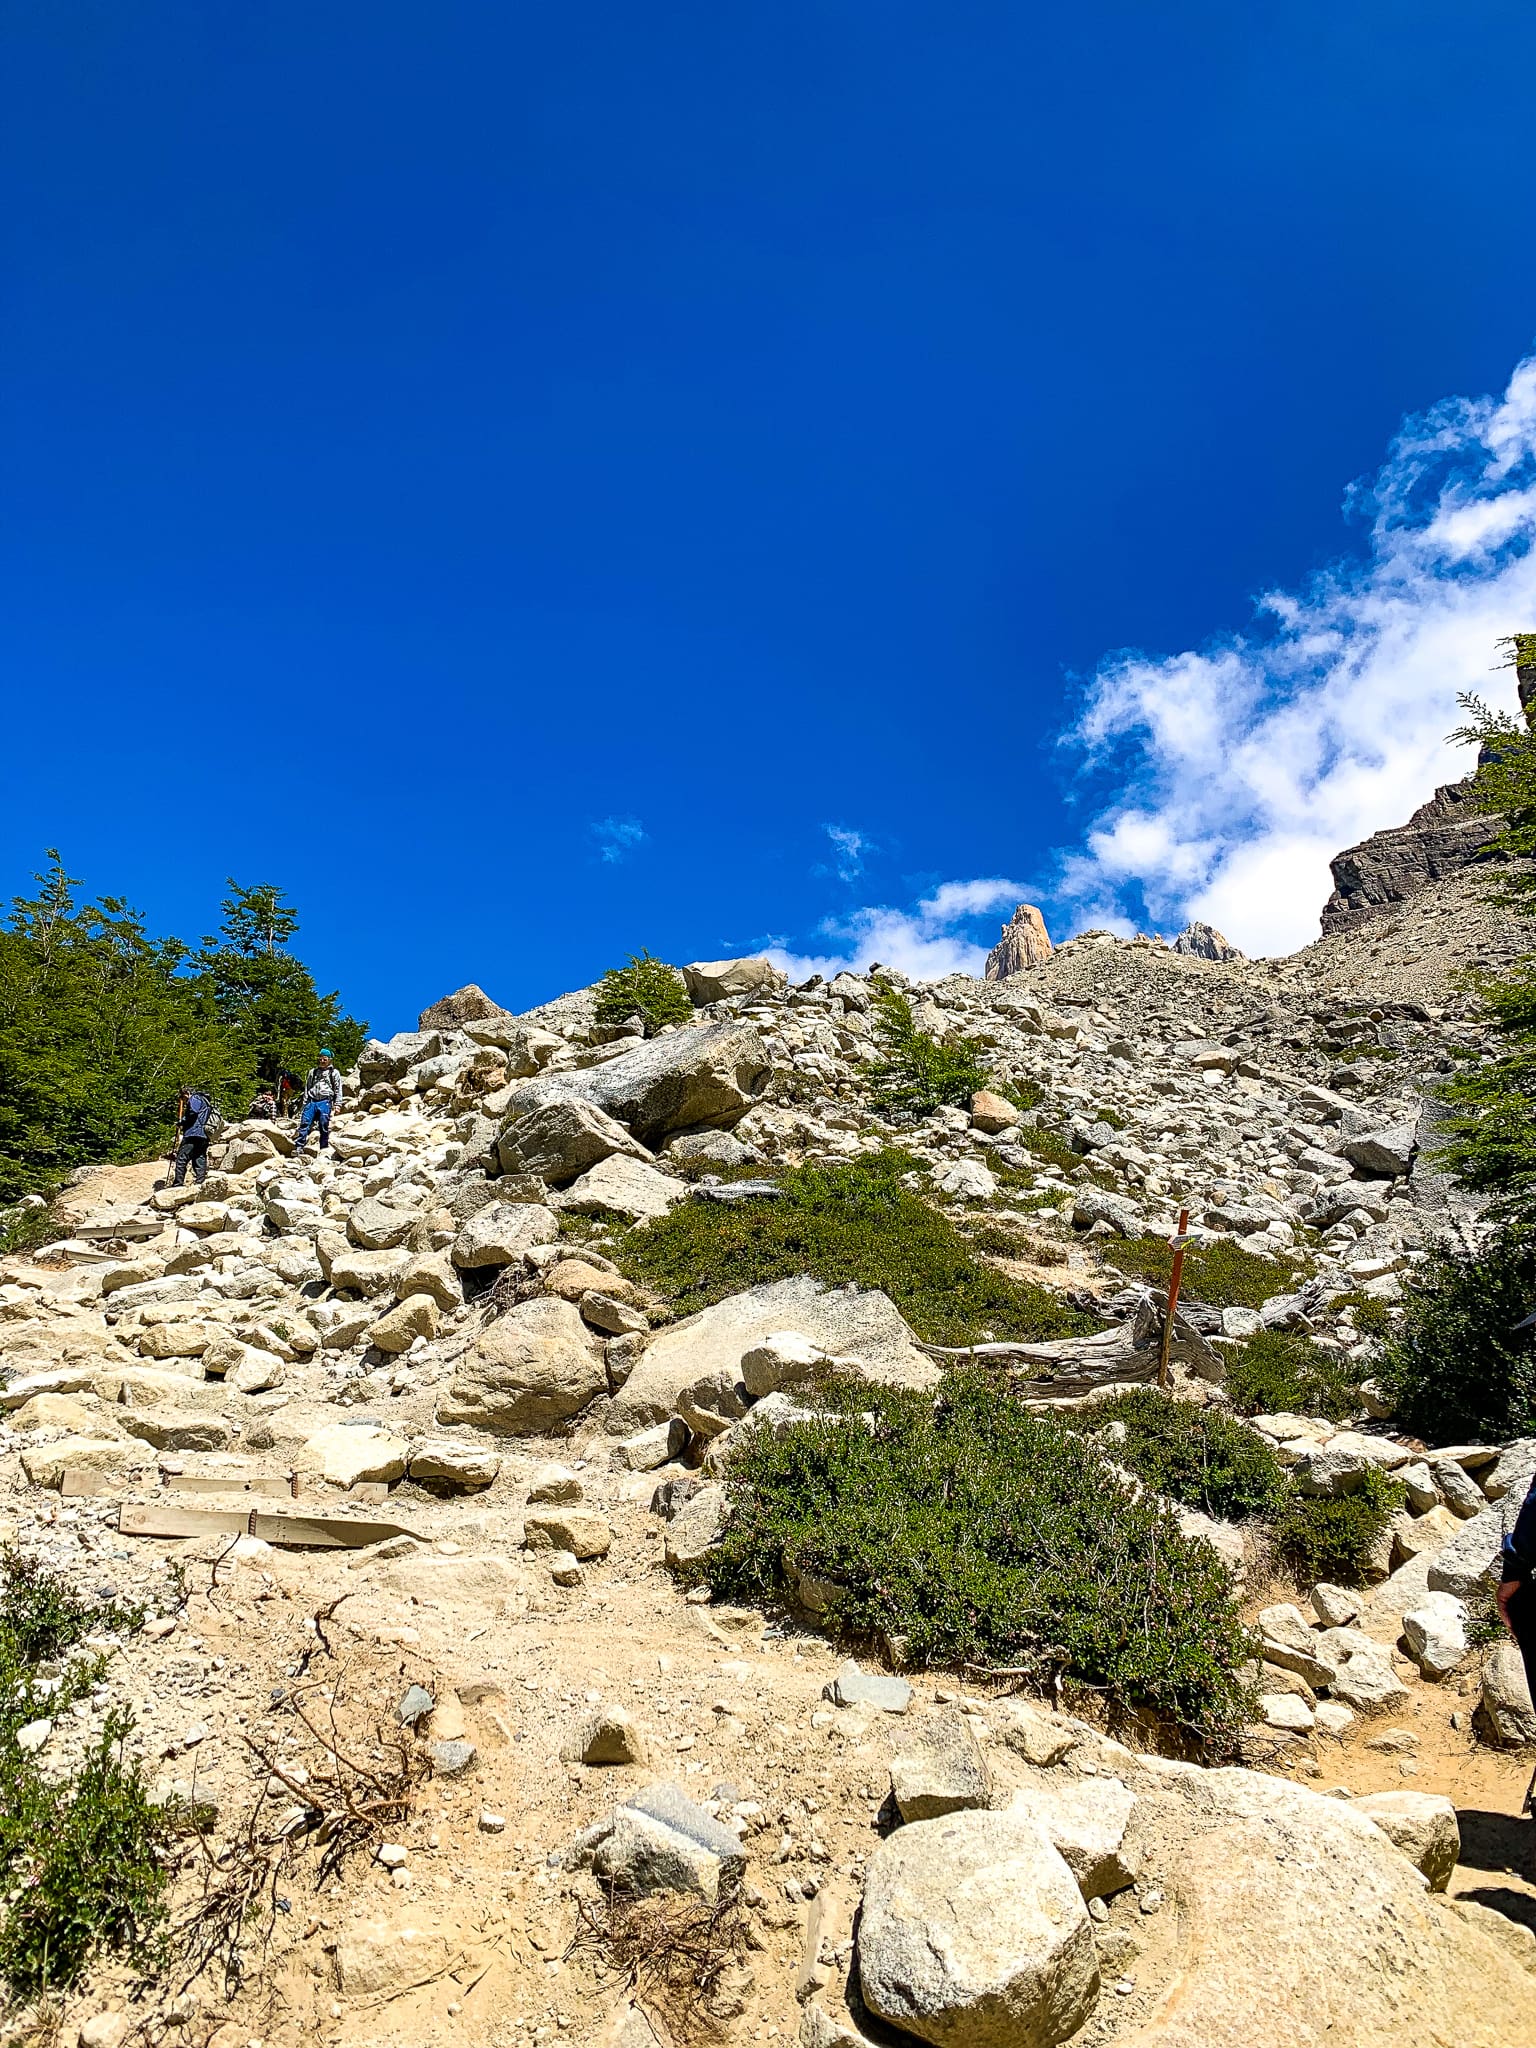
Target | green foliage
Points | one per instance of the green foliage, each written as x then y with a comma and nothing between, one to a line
647,988
1372,1317
1332,1538
1023,1094
977,1534
840,1224
914,1073
101,1024
265,998
1047,1147
81,1861
1282,1372
1194,1455
1455,1366
1221,1274
1489,1138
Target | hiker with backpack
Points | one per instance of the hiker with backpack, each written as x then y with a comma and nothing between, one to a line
322,1098
195,1116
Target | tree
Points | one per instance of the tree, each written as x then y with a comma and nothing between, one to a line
264,996
914,1072
648,989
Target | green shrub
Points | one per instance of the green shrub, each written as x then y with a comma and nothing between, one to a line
1282,1372
23,1230
81,1862
1023,1094
1456,1367
980,1536
647,988
1332,1539
1047,1146
1221,1274
1195,1455
851,1222
913,1072
1372,1317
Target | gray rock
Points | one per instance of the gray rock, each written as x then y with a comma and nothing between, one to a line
415,1705
695,1528
530,1370
1336,1606
1419,1485
1443,835
649,1449
1463,1496
940,1769
500,1234
711,1403
660,1841
1089,1820
686,1080
713,1148
1365,1679
851,1687
974,1935
376,1226
561,1140
610,1736
1382,1152
451,1759
1286,1640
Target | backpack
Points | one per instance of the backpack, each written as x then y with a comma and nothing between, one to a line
215,1123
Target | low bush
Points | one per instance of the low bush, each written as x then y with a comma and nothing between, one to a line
1198,1456
1049,1147
1333,1538
840,1224
1220,1273
647,988
914,1073
977,1535
23,1230
1282,1372
82,1863
1457,1367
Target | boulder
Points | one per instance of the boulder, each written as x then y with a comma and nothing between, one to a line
178,1340
851,1687
974,1935
1041,1737
681,1081
992,1113
500,1234
709,1148
625,1187
1089,1822
711,1403
867,1324
441,1461
715,981
940,1769
1469,1562
649,1449
966,1180
609,1736
1436,1634
256,1373
1365,1679
526,1372
46,1464
416,1316
1463,1496
695,1528
554,1483
376,1226
581,1531
563,1139
1286,1640
660,1841
346,1454
1382,1152
367,1273
1504,1714
1423,1825
433,1274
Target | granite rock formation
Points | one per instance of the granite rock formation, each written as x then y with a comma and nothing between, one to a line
1024,943
1443,835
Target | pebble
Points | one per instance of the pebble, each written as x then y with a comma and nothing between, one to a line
491,1823
391,1855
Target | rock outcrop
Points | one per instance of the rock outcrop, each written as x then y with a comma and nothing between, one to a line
1442,836
1203,942
467,1005
1024,943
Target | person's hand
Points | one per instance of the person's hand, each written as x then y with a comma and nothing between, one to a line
1504,1597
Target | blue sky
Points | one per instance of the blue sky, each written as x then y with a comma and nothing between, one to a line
543,482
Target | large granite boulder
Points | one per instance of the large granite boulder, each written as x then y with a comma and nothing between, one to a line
683,1080
713,981
528,1371
467,1005
559,1140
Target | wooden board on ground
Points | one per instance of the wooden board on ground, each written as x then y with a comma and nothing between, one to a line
272,1485
154,1520
324,1532
79,1484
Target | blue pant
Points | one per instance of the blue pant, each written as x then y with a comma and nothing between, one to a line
314,1112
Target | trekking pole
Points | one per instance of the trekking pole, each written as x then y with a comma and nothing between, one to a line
1175,1274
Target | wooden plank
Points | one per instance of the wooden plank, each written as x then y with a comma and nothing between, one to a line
271,1485
79,1484
154,1520
324,1532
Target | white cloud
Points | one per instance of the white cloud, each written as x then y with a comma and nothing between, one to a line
849,848
616,837
1253,761
925,943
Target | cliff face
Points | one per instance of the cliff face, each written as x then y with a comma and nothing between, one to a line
1024,943
1443,835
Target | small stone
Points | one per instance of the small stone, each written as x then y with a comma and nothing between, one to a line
851,1687
451,1759
564,1568
610,1736
33,1735
554,1483
415,1705
391,1855
491,1823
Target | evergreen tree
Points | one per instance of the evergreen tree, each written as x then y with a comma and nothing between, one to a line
264,996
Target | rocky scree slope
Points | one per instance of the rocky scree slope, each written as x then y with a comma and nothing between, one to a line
399,1410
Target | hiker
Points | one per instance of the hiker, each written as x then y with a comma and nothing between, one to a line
264,1109
193,1109
322,1096
1516,1595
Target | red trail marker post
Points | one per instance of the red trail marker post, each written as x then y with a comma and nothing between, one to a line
1176,1274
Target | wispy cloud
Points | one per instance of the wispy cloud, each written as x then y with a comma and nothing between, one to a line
616,837
848,851
926,942
1253,760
